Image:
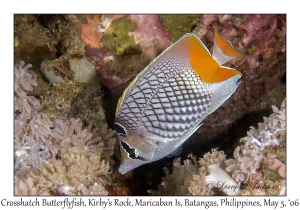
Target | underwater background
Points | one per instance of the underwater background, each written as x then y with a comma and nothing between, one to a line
70,71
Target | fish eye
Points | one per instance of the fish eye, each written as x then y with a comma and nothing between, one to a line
120,129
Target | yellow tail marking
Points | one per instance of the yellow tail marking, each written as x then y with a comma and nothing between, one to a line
204,65
226,46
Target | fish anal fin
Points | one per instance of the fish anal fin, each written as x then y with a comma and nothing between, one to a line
175,152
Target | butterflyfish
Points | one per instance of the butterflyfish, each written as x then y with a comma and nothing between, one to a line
167,101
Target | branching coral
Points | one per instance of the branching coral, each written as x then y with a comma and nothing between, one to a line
25,106
106,137
248,156
197,178
177,182
262,151
29,124
40,148
199,186
28,187
39,127
215,176
76,173
69,133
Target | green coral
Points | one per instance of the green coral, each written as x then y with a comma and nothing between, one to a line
178,25
116,39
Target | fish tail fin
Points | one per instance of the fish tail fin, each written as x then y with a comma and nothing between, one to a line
223,51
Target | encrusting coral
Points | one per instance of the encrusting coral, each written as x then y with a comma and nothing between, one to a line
57,101
59,157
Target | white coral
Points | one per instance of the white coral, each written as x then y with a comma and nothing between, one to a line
217,177
197,177
74,174
177,182
39,141
198,185
248,156
39,127
28,187
70,133
81,189
25,79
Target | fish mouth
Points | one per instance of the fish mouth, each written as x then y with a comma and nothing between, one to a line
128,164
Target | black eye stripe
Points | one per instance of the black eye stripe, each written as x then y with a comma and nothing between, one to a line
131,151
128,149
120,129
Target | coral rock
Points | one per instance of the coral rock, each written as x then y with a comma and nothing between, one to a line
129,44
89,30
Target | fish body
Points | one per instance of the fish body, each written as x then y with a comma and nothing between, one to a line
167,101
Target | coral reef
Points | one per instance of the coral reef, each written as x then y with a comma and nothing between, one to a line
53,42
73,174
198,178
248,156
118,54
178,182
258,167
89,33
260,38
262,41
116,39
261,156
58,99
60,49
57,156
32,43
76,173
130,42
40,37
178,25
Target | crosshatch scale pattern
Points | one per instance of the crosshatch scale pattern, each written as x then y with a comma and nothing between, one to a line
167,100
